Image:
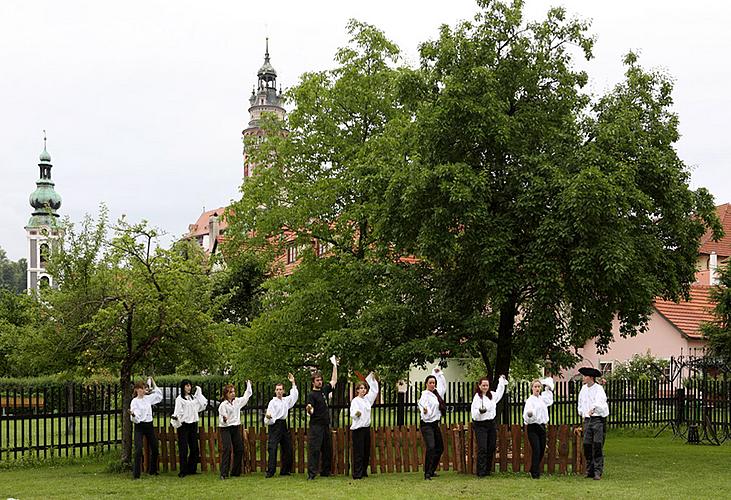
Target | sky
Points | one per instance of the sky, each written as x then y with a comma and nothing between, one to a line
144,101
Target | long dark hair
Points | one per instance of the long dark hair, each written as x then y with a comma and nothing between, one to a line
183,383
479,392
426,380
442,404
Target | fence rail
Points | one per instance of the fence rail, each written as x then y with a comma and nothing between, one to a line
78,419
393,449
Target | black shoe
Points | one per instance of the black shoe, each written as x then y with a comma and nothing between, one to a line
434,474
310,477
427,477
285,474
224,477
154,473
269,474
597,477
327,474
181,474
135,477
365,475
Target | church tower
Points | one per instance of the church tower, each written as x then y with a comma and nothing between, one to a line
43,225
264,99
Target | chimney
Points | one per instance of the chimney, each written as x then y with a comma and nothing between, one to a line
712,267
212,231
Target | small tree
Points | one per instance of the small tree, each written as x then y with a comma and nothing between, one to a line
126,305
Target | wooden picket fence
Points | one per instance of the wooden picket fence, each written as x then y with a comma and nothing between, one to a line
393,449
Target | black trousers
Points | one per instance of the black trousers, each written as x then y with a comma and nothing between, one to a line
231,438
361,451
188,448
319,442
594,429
537,439
434,446
486,437
279,437
147,430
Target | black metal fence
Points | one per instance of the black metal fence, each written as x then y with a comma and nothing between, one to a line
77,419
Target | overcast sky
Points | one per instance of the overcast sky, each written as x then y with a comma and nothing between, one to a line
144,101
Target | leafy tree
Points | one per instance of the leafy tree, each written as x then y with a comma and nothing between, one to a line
536,206
12,274
318,188
718,332
21,317
125,305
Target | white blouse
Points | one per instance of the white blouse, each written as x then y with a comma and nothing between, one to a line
429,401
140,409
488,404
537,406
360,408
187,409
232,409
278,409
593,398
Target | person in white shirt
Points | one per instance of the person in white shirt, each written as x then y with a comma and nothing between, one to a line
187,408
484,410
229,424
360,413
276,419
535,417
594,409
140,412
431,407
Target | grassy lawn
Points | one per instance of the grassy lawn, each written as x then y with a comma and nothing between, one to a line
636,467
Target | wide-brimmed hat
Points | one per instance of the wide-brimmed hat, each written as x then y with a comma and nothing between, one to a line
590,371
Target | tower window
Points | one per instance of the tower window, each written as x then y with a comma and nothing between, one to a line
44,254
44,282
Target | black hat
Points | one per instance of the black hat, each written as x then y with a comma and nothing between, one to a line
590,372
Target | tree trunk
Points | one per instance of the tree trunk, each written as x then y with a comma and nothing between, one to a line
126,387
505,337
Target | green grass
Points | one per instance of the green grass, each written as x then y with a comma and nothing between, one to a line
637,466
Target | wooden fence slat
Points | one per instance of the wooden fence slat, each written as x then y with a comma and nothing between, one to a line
527,450
340,456
471,449
214,453
388,441
444,462
381,450
301,443
398,448
563,448
458,448
173,444
263,451
551,443
373,451
414,442
502,445
253,463
516,434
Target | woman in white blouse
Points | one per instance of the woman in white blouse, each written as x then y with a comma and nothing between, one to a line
432,406
535,416
483,422
360,413
140,412
187,408
229,423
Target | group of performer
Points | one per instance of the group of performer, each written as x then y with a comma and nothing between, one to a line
592,407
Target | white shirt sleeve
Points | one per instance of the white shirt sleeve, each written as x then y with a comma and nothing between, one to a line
155,397
372,390
529,419
354,409
476,405
270,410
601,408
498,395
441,382
581,406
241,402
547,396
178,411
424,405
200,398
293,397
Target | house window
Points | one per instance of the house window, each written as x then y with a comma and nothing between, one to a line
323,248
606,367
292,252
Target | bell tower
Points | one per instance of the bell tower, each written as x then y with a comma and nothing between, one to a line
43,226
264,99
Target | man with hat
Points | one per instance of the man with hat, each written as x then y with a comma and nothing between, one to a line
594,410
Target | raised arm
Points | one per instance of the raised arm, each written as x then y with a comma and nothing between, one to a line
200,398
441,381
334,378
241,402
156,395
501,385
294,394
547,396
372,388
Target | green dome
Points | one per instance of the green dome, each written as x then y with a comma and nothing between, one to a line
45,197
45,157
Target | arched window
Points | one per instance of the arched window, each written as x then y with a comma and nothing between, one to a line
44,254
44,282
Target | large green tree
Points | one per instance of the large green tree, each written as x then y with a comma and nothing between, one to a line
318,187
125,305
538,206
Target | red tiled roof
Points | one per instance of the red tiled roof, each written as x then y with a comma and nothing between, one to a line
687,316
722,247
201,225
